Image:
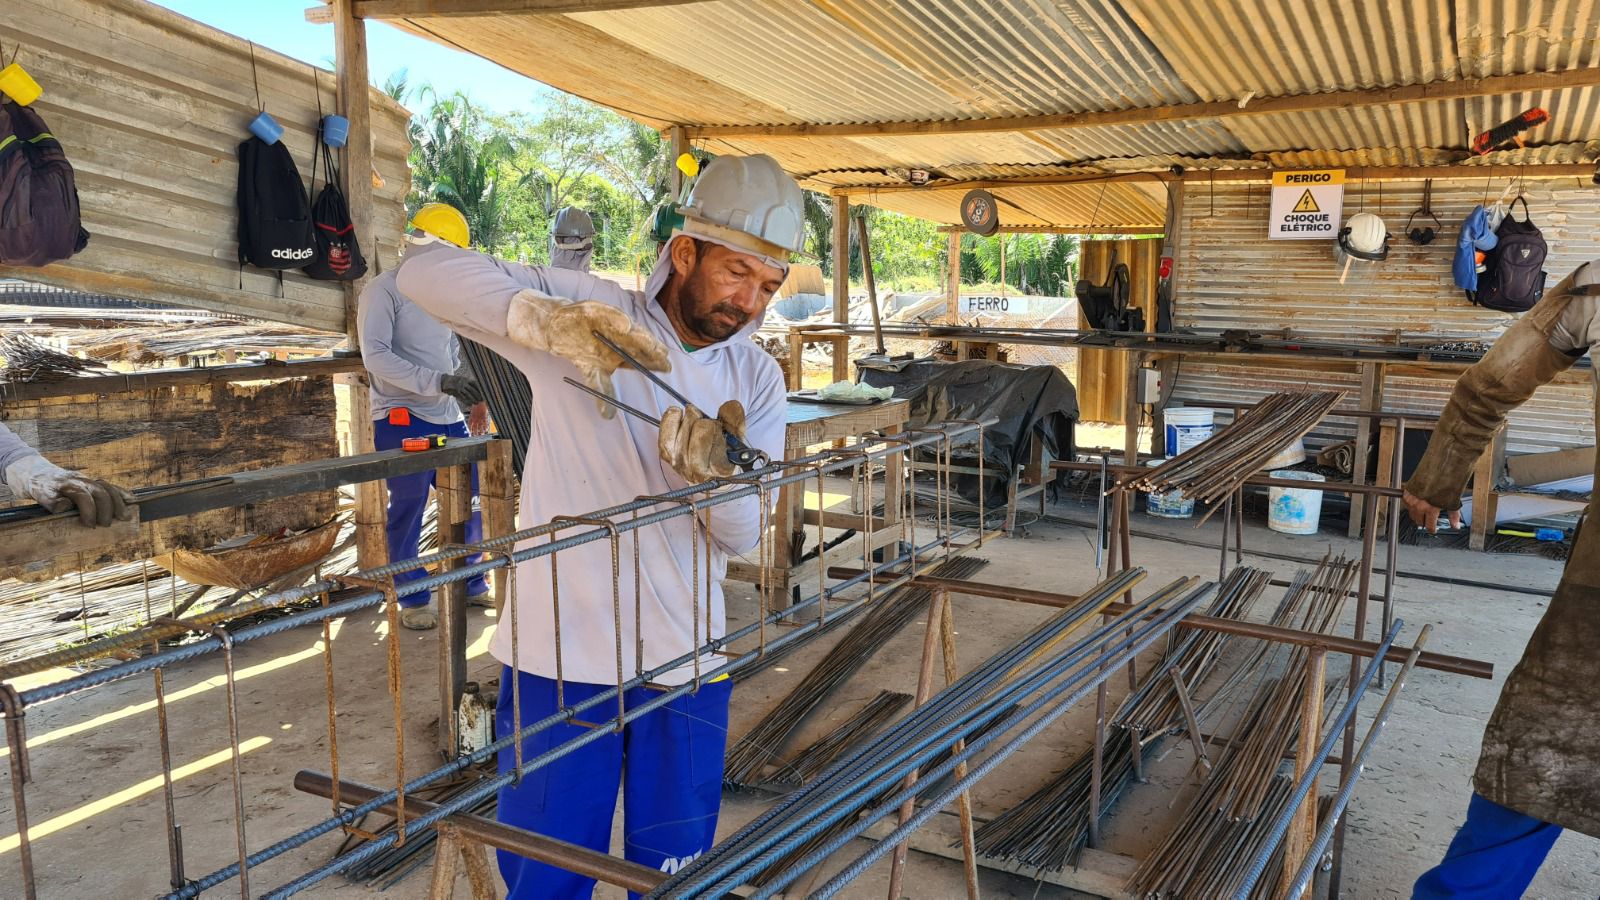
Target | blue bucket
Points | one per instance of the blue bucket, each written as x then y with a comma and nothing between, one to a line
266,128
335,130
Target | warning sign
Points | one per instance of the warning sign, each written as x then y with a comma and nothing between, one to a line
1306,205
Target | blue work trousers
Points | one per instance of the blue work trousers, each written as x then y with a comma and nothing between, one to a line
668,763
1494,855
408,496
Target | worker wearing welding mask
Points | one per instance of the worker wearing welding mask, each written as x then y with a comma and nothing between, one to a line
572,239
1539,767
717,271
419,388
29,474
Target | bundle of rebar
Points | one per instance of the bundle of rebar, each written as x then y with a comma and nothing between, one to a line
1208,852
813,759
763,745
28,361
508,394
1216,468
1050,827
1028,686
1154,706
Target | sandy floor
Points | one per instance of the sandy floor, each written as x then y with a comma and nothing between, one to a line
95,804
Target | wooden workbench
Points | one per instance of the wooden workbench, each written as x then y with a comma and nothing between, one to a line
811,424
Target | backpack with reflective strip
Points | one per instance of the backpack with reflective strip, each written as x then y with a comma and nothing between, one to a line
39,221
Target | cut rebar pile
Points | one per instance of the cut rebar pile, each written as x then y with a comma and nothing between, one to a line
1049,828
27,361
1215,469
811,761
1208,853
508,394
1154,706
763,744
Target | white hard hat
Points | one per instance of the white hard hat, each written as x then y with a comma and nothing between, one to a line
1365,236
749,203
573,229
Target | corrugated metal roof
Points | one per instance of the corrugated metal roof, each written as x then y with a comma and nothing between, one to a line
752,62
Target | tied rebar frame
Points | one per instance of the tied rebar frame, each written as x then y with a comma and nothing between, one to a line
375,586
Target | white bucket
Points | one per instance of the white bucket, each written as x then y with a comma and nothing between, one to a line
1167,505
1292,455
1294,510
1187,427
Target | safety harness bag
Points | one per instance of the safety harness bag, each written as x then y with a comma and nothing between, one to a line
1513,272
274,214
338,252
39,221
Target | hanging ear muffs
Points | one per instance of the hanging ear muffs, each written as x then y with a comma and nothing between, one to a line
1424,236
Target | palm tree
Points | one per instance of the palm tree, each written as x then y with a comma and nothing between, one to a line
454,160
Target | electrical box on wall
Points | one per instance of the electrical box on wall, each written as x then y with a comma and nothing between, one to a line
1149,386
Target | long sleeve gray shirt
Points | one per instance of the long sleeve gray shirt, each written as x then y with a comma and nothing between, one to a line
406,350
11,449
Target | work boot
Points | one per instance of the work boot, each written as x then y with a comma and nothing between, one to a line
484,598
419,618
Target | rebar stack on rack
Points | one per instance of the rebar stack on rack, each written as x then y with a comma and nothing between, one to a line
1215,469
508,394
1227,824
28,361
764,743
1047,830
1034,682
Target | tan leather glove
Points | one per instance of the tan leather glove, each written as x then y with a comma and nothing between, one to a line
697,447
566,329
98,502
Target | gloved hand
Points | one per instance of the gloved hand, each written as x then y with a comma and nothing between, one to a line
567,329
462,387
697,447
58,490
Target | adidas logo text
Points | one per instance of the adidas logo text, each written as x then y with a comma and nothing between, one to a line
293,254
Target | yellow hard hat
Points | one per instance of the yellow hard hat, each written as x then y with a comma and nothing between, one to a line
444,222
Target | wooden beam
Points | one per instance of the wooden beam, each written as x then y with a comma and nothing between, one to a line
1221,176
1219,109
164,378
841,283
1066,229
953,277
440,9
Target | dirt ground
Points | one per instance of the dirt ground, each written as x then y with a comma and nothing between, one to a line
95,801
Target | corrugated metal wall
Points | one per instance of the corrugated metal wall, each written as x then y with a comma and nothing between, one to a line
150,107
1103,374
1229,275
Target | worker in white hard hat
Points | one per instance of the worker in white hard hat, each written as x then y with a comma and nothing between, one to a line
571,239
709,290
419,388
28,474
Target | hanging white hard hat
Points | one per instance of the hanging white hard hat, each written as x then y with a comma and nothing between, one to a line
573,229
748,203
1365,236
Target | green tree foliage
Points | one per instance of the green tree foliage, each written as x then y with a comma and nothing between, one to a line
1034,263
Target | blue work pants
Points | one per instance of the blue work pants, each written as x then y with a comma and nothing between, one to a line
1494,855
668,763
408,496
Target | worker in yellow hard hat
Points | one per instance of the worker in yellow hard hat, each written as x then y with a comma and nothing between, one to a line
439,221
419,388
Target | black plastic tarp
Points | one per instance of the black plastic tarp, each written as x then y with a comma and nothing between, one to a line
1030,402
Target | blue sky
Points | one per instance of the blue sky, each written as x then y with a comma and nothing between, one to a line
282,26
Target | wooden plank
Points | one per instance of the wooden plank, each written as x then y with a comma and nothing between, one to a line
953,276
166,378
1485,502
841,279
817,423
1220,109
439,9
453,502
1062,229
1303,829
498,496
1372,383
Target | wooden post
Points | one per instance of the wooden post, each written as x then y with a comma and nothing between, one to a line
1130,410
1485,501
497,495
1303,830
355,104
930,648
1372,378
797,360
677,145
841,283
453,494
953,309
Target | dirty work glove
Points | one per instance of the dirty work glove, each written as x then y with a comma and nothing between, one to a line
58,490
566,329
463,388
697,447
